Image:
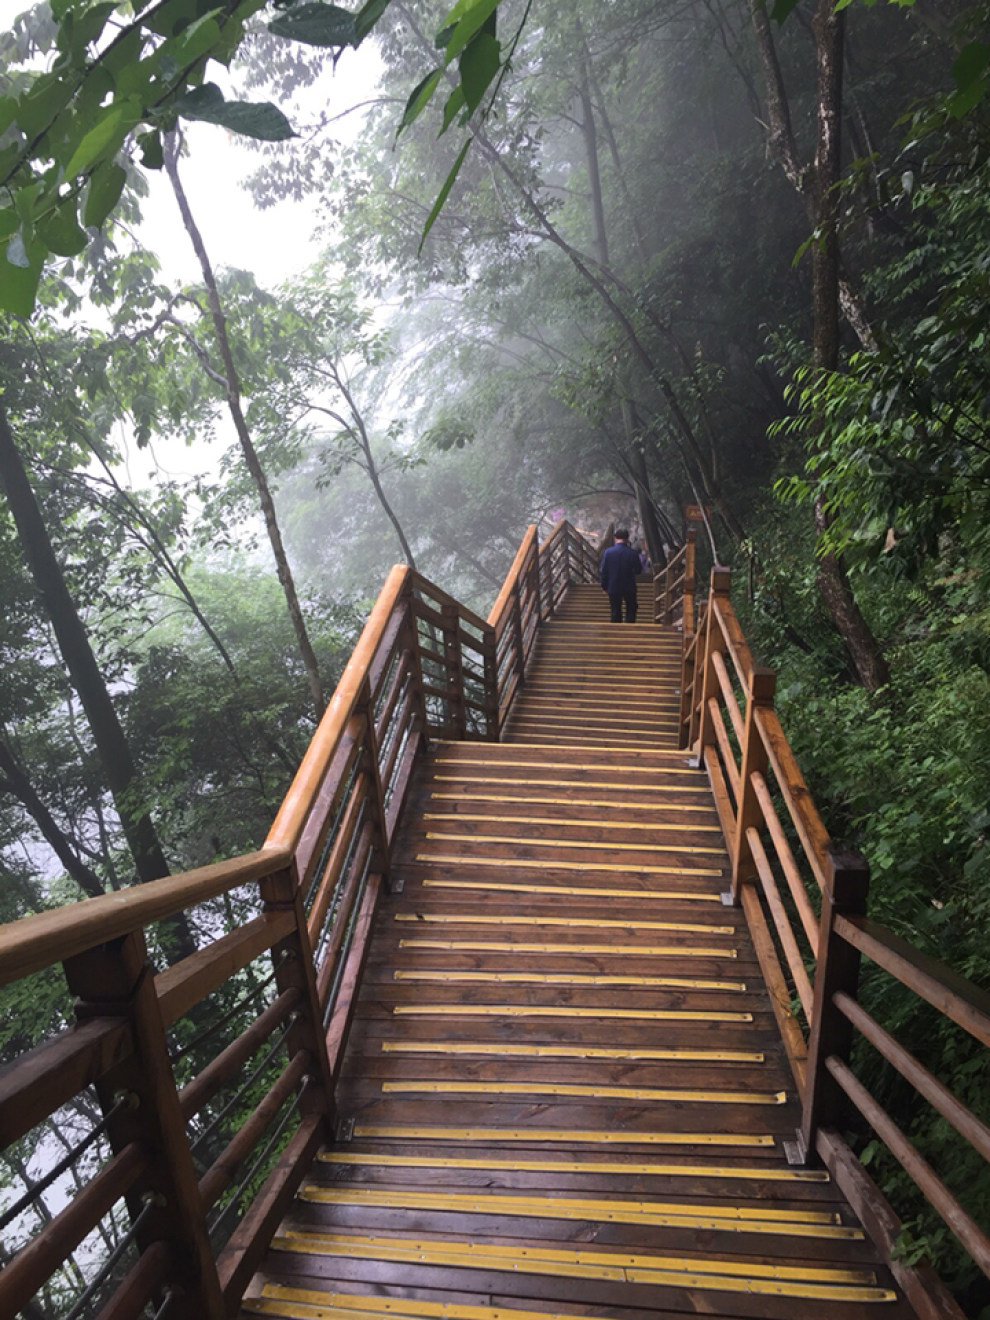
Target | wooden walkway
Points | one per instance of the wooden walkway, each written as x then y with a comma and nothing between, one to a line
564,1093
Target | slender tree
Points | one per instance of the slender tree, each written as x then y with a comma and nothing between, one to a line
229,382
108,734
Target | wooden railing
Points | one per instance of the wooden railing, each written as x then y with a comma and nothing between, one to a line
533,589
674,587
196,1096
805,904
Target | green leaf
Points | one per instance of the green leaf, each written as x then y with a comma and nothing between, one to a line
444,193
368,15
971,64
316,25
88,26
108,132
478,67
782,8
61,231
19,283
105,187
474,17
419,98
39,106
193,42
455,103
257,119
152,156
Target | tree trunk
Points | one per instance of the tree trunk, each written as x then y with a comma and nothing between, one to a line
639,472
232,390
833,581
15,781
108,735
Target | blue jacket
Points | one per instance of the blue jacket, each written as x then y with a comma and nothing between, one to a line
619,569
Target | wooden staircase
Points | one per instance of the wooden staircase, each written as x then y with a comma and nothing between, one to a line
599,684
564,1093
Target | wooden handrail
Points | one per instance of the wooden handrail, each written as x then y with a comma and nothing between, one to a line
38,941
719,674
292,814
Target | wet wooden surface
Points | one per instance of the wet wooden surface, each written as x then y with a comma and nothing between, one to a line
564,1088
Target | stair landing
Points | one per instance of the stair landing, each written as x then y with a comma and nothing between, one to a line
564,1090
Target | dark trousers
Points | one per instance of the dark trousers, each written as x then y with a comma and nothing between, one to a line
616,603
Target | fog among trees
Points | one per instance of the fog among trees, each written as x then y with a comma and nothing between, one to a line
716,252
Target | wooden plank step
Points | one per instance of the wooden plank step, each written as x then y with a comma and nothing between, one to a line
564,1085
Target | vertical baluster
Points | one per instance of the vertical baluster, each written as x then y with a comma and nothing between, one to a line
762,683
844,893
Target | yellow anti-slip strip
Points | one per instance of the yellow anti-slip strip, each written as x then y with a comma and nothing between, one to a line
539,1010
576,891
572,1136
636,950
656,1214
569,978
530,864
427,1087
565,1051
597,923
612,805
461,816
808,1281
513,781
641,772
584,844
769,1174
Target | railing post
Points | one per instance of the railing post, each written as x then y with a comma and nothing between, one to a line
454,667
295,970
714,643
410,643
687,606
370,762
490,662
115,980
661,595
762,684
847,881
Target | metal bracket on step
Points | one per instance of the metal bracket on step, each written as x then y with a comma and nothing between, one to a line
796,1152
345,1130
727,899
397,884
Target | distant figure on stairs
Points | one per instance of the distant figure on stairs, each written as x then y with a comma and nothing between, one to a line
619,568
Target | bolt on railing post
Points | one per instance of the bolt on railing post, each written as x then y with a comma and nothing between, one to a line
762,684
714,644
116,980
844,893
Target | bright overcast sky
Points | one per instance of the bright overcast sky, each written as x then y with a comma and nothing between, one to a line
274,243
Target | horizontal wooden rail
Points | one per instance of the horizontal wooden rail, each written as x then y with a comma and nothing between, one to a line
782,862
